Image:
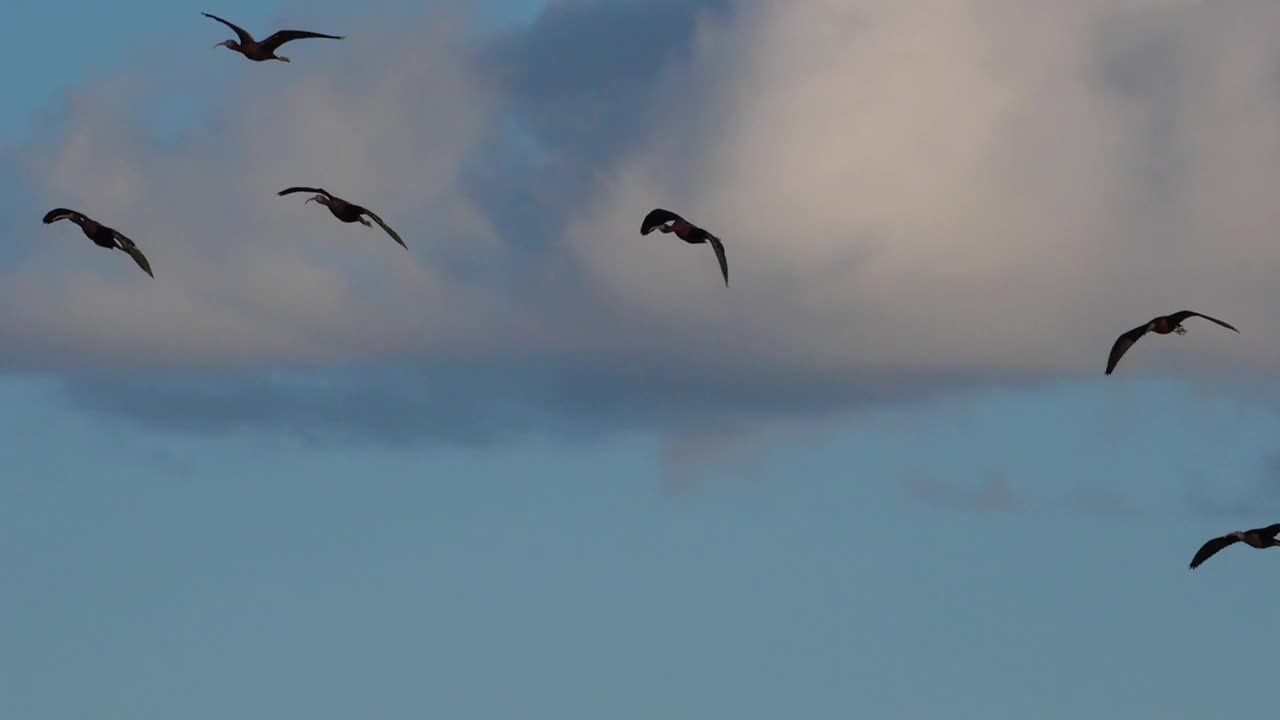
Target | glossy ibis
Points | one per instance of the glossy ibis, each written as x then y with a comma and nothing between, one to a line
101,235
1162,325
345,211
668,222
1260,538
266,49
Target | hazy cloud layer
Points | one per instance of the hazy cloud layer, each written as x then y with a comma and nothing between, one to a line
915,197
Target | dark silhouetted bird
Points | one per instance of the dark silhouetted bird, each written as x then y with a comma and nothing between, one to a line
101,235
345,211
1162,325
266,49
669,222
1260,538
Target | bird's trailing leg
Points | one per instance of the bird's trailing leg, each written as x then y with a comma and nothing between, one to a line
1180,330
282,59
365,222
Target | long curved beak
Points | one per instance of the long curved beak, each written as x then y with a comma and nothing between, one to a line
221,44
309,200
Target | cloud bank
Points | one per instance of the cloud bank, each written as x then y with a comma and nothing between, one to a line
915,198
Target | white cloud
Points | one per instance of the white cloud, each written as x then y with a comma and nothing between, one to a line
959,186
956,184
384,119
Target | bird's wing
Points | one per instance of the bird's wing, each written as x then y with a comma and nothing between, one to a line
123,242
139,258
1184,314
131,248
1269,531
1207,550
655,218
394,235
292,190
719,248
57,214
283,36
245,37
1123,343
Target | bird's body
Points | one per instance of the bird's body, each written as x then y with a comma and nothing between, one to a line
1259,538
668,222
266,49
1163,325
347,212
101,235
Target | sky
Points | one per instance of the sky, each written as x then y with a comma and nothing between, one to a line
541,466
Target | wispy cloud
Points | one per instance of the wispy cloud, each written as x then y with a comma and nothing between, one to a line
994,492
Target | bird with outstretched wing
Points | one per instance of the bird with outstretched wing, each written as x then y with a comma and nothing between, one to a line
259,50
1257,538
1163,325
344,210
658,219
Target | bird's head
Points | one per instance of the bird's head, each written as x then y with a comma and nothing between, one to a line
317,199
229,44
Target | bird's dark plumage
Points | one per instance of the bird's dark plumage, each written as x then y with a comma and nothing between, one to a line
57,214
345,211
1162,325
245,37
658,219
655,218
373,216
1122,345
283,36
101,235
1181,315
265,49
1257,538
131,248
292,190
1211,548
724,262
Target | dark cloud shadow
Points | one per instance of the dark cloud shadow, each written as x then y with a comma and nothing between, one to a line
481,402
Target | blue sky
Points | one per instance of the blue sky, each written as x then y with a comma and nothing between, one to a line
540,469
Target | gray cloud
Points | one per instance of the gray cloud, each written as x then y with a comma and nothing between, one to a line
914,202
479,401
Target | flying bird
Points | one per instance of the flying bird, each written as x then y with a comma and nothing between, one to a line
345,211
1260,538
1162,325
101,235
669,222
266,49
